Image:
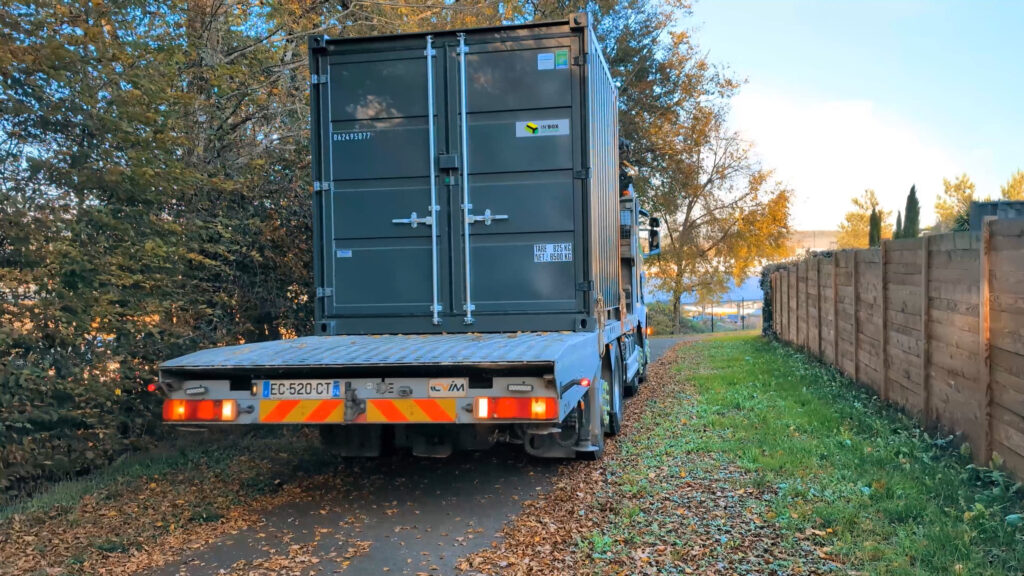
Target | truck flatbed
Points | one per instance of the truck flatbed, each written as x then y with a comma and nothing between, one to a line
391,350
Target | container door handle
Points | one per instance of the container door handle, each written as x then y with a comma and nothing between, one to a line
487,217
413,220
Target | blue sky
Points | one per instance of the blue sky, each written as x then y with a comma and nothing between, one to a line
843,96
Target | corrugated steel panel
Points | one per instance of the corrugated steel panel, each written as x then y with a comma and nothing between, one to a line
389,350
602,119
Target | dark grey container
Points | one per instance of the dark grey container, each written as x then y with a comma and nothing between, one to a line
1004,209
542,152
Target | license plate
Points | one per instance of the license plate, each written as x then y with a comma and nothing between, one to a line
301,389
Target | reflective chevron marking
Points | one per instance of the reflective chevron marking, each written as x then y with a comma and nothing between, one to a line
302,411
377,410
411,410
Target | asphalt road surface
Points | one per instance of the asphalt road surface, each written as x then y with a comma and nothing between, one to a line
395,515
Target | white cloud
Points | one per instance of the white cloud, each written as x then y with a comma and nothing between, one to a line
829,151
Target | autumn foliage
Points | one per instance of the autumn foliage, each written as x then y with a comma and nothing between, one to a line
154,199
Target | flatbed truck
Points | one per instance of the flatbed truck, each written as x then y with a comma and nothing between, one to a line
477,259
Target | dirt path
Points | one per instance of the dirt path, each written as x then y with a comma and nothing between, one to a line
399,515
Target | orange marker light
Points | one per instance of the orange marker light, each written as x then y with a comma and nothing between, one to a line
542,408
512,408
200,410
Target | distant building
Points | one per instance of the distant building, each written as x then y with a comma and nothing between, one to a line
999,209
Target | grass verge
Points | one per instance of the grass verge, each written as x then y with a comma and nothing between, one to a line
742,456
881,494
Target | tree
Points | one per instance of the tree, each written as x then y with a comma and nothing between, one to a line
722,213
874,229
154,199
853,230
955,200
912,215
1014,187
898,233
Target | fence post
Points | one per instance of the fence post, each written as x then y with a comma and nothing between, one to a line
800,342
984,343
781,303
764,317
807,305
926,384
885,352
817,290
792,319
801,302
856,330
796,302
835,311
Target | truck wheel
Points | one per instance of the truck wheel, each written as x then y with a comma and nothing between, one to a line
615,393
647,360
633,386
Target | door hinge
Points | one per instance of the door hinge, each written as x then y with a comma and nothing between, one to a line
580,60
324,292
321,186
315,79
585,286
581,174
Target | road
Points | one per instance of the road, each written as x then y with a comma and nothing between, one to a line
395,515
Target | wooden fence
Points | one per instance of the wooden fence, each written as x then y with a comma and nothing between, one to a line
933,324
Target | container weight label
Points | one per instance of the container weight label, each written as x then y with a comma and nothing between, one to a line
552,252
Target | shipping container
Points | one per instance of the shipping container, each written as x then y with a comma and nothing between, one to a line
522,233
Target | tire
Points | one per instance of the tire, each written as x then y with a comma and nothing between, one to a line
647,360
616,393
633,386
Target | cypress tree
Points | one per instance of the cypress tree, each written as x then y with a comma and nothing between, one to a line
912,220
898,233
875,229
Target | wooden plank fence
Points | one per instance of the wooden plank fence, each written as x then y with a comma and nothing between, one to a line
933,324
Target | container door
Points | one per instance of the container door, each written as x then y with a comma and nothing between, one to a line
385,239
526,206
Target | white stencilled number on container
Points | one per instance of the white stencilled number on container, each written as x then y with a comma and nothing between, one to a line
561,252
351,136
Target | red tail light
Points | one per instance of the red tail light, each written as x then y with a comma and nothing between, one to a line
200,410
516,408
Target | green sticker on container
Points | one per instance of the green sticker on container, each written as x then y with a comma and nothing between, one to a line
561,59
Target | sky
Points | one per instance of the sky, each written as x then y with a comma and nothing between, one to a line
841,96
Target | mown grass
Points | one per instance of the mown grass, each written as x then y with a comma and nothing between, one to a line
892,499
